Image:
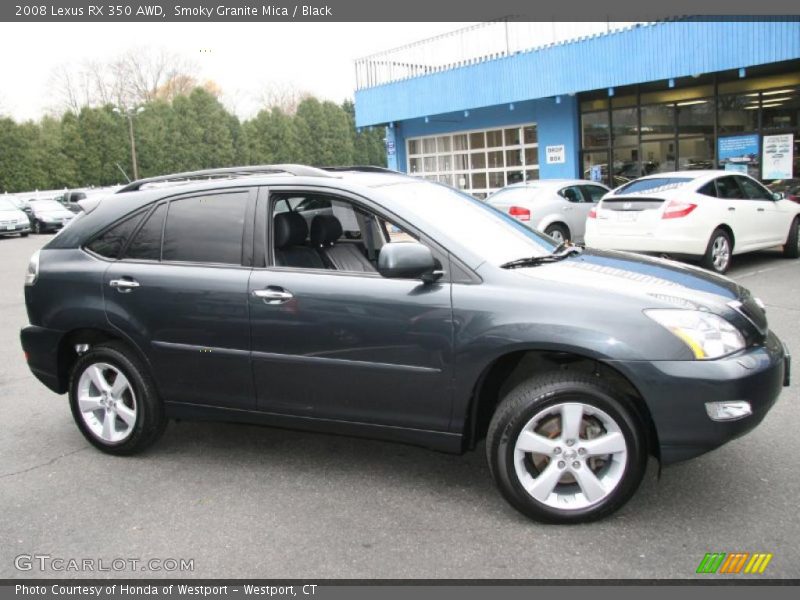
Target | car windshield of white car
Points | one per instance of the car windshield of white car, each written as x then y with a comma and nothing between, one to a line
653,185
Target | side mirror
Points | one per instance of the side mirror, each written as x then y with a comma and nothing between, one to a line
407,260
778,195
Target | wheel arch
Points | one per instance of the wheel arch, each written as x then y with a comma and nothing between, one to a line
509,369
727,229
67,353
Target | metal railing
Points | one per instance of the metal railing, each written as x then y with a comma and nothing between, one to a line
472,45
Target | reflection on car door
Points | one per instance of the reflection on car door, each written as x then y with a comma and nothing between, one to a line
351,346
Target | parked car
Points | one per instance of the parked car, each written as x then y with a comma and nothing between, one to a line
69,200
558,207
790,188
47,215
206,296
12,220
710,215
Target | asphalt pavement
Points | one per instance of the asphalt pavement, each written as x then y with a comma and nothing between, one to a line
247,501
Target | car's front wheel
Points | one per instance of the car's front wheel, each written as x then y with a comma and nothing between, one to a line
565,448
791,249
37,227
114,401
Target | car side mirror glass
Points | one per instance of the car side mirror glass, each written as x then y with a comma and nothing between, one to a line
778,195
407,260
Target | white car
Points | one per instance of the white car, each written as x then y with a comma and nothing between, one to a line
710,215
12,220
558,207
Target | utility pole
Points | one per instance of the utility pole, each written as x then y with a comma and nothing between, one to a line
129,114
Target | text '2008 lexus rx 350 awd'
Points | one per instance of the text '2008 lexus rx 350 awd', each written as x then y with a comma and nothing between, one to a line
360,301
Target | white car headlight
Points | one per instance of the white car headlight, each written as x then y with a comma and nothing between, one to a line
707,335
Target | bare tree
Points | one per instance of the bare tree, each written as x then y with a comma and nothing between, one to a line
283,95
132,78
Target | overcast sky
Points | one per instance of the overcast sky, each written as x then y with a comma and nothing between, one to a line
241,57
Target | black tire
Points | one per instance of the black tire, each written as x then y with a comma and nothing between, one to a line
792,247
559,229
23,234
530,399
710,260
150,417
37,227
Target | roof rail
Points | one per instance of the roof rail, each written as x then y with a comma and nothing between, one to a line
362,168
227,172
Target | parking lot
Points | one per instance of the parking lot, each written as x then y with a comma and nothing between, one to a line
245,501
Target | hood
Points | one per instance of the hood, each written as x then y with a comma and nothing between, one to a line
657,283
11,213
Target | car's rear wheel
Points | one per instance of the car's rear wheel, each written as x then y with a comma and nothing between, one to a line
24,234
718,252
565,448
37,227
558,232
792,247
114,402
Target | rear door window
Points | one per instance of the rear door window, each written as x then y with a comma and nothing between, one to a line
206,229
572,194
728,188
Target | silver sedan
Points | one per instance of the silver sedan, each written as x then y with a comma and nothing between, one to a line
557,207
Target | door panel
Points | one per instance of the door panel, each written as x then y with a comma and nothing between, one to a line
192,323
352,347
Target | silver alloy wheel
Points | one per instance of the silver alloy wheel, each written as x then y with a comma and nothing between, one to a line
720,253
570,456
557,235
106,402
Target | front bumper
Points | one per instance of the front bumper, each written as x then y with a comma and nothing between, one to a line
676,393
15,229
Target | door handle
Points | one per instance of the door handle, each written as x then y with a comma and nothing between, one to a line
760,210
123,286
273,295
731,208
567,208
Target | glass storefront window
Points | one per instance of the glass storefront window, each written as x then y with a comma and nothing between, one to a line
460,142
595,166
529,134
658,157
658,121
625,165
737,113
594,126
625,126
429,145
512,137
695,117
495,159
780,109
696,153
477,140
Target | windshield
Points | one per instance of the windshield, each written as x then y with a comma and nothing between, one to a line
7,204
46,205
515,193
655,184
483,230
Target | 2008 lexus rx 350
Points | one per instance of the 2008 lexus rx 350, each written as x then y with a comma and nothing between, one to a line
398,309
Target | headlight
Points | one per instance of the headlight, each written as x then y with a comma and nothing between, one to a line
707,335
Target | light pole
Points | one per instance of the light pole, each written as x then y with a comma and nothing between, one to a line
130,113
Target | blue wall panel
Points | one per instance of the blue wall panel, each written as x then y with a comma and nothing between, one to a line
646,53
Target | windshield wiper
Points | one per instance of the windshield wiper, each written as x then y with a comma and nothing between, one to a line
561,252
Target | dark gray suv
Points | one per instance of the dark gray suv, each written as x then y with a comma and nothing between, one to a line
364,302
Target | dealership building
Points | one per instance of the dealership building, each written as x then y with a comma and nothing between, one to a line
505,102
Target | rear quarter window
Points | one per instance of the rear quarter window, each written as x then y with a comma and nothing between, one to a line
110,243
653,185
